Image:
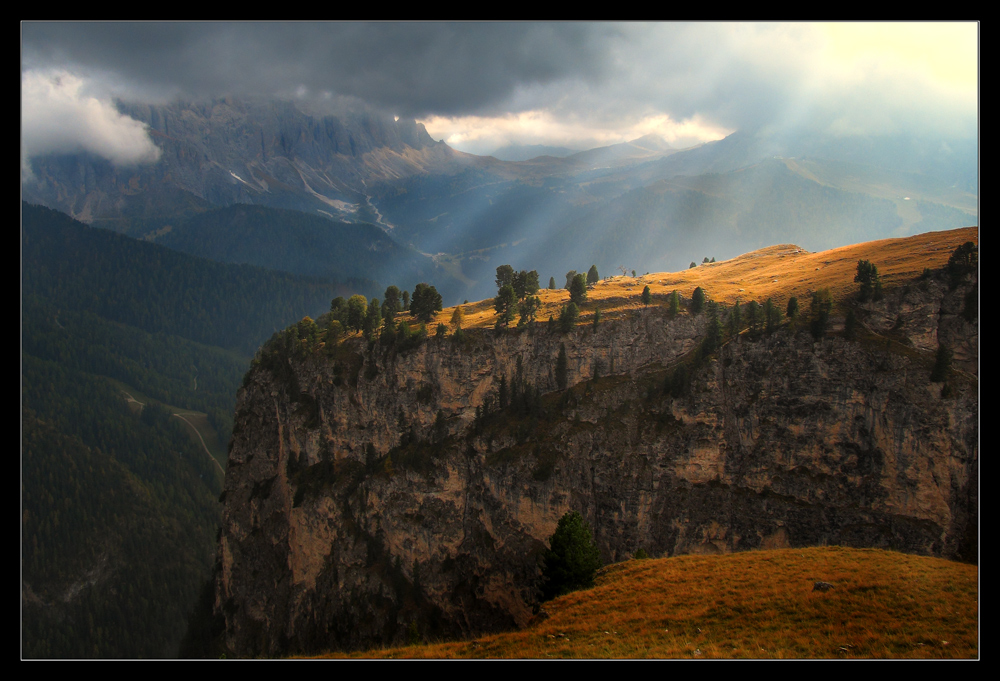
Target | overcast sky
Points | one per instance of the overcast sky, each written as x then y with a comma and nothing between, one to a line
480,86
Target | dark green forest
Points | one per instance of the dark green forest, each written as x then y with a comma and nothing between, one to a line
360,256
119,514
119,506
156,289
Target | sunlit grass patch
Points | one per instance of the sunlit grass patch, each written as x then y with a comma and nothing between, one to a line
758,604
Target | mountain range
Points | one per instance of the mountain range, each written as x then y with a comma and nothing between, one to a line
148,290
640,204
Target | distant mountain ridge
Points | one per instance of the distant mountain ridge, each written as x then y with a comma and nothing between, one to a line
526,152
638,204
230,150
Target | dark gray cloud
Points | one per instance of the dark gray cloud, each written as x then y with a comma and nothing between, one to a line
414,69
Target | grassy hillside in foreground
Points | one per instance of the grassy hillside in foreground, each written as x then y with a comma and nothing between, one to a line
758,604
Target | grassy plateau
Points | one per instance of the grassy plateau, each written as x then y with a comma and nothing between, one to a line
777,272
752,605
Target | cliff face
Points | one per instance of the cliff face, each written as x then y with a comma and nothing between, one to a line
354,510
240,151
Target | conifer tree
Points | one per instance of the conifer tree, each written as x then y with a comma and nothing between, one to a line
697,300
792,311
964,260
850,325
568,317
562,368
753,315
338,310
505,276
871,285
373,319
425,302
391,305
504,306
528,309
578,289
572,559
772,315
942,363
675,304
357,308
713,334
819,311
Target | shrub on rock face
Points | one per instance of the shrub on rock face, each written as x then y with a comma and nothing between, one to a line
572,558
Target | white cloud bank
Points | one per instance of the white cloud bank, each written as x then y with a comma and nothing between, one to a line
59,117
483,134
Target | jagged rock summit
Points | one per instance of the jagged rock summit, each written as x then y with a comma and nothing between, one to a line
230,150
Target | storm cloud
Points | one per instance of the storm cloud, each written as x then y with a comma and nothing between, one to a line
597,81
414,69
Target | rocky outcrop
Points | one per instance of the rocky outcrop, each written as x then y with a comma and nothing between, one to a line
364,496
228,150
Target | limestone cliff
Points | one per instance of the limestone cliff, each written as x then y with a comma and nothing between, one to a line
364,495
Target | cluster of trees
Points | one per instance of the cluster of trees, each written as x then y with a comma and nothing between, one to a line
819,312
871,284
516,290
768,317
568,317
517,397
359,314
382,322
963,261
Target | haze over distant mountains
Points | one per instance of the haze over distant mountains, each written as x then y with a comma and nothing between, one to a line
640,204
526,152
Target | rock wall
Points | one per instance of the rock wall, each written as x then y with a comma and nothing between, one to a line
354,512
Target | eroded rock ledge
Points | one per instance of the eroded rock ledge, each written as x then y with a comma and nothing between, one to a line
352,510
